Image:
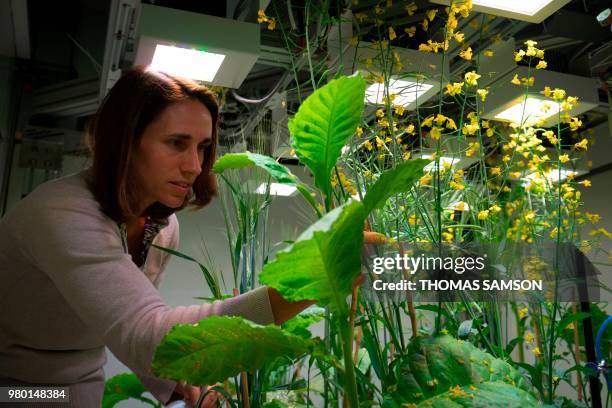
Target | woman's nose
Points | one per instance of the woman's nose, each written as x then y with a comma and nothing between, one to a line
192,161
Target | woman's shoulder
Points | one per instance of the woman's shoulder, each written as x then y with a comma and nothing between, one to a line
70,193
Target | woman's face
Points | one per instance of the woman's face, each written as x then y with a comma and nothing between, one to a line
170,154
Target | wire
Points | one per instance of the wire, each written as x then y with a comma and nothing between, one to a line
95,63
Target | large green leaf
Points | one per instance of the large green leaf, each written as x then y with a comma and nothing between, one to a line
300,323
121,387
396,180
323,124
323,262
434,365
219,347
488,394
247,159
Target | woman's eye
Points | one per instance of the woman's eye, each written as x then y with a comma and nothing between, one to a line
176,143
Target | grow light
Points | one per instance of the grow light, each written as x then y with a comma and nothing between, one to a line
552,176
533,11
188,63
526,7
529,111
214,50
277,189
406,92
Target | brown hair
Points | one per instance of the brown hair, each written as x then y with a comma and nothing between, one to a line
134,102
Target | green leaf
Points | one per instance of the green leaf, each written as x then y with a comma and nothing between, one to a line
488,394
300,323
323,124
279,172
433,365
323,261
211,279
219,347
396,180
121,387
570,318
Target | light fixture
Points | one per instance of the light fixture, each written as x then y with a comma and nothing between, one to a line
210,49
406,92
508,102
533,11
551,177
194,64
277,189
529,111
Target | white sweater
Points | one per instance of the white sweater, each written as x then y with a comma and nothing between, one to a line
67,289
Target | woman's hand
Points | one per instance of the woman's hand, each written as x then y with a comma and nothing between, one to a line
191,394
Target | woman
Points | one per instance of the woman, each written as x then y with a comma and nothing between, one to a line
76,272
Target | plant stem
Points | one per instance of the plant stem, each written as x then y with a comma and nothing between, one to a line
350,383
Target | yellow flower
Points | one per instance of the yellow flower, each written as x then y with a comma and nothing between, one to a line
537,352
564,158
586,183
378,10
399,110
456,391
271,24
550,135
523,312
528,337
466,54
380,113
368,145
541,65
472,148
361,17
410,31
440,119
471,78
431,14
392,35
490,132
425,24
359,131
456,186
470,129
379,142
411,8
424,48
261,16
516,80
435,133
495,171
528,81
482,93
450,124
410,129
495,208
572,100
483,215
558,94
428,121
406,155
519,55
454,88
459,37
540,54
575,124
425,179
530,43
547,92
581,145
